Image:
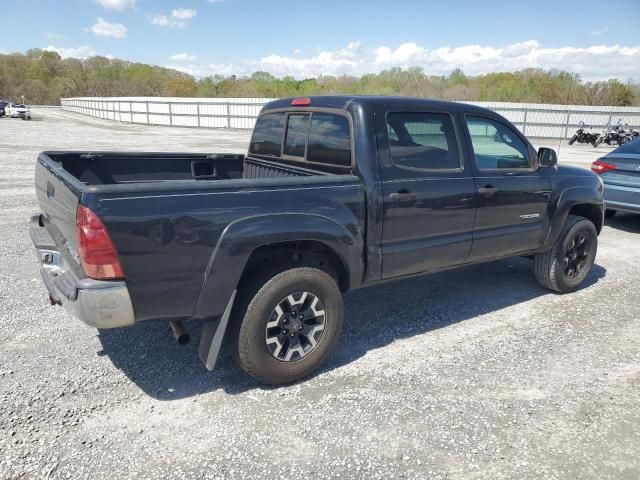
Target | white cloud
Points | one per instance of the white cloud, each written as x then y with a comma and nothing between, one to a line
183,57
215,1
161,20
53,36
599,31
183,13
598,62
81,52
117,4
178,18
102,28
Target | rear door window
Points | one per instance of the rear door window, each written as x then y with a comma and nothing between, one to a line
267,135
422,140
329,140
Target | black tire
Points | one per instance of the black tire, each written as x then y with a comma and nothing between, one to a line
553,267
608,213
597,142
257,306
573,139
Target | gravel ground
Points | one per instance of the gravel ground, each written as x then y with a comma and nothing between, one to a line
471,374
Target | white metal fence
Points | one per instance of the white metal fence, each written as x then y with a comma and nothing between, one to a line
534,120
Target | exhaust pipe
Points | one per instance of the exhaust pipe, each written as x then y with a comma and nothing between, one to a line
179,332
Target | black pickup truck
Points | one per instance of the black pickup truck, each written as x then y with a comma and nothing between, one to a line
335,193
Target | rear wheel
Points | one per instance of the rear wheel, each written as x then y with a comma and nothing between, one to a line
287,326
573,139
564,267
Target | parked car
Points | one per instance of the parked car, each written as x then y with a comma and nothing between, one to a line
18,110
335,193
3,104
620,172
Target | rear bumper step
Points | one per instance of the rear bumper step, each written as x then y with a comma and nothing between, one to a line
100,304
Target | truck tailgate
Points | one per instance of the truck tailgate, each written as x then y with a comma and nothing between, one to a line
58,199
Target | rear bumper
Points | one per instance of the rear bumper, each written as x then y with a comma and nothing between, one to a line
100,304
624,199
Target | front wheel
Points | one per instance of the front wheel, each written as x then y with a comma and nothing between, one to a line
564,267
288,326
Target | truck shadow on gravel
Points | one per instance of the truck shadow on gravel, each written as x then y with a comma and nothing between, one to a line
374,318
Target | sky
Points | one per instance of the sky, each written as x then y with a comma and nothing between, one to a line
333,37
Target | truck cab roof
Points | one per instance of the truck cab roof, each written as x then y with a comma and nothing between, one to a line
369,102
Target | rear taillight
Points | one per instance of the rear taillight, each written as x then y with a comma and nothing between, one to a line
600,167
97,254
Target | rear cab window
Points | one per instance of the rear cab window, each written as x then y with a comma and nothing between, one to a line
317,138
267,135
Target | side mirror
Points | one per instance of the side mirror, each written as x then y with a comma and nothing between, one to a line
547,157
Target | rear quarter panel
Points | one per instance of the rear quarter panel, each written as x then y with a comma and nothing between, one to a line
169,242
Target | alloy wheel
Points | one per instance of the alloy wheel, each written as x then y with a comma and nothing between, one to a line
295,326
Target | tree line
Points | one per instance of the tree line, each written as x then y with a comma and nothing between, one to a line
43,77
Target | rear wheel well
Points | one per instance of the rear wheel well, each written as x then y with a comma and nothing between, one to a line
590,212
310,253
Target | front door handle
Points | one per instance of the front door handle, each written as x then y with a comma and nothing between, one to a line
403,197
488,191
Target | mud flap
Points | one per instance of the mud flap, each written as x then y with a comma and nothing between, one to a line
212,336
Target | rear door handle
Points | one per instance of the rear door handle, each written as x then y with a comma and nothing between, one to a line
487,191
403,197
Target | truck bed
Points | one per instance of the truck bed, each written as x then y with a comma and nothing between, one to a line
167,213
115,168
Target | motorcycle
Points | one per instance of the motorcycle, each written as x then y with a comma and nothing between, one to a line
582,136
613,135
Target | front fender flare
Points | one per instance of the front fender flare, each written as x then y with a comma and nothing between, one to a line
561,206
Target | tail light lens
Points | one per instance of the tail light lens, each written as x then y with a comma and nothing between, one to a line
600,167
301,102
97,254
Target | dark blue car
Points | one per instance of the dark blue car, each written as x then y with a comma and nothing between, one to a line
620,172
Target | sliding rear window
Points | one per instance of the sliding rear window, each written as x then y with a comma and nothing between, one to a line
295,143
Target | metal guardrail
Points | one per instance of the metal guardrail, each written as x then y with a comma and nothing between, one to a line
537,121
199,114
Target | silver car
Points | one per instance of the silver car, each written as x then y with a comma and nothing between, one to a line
620,172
